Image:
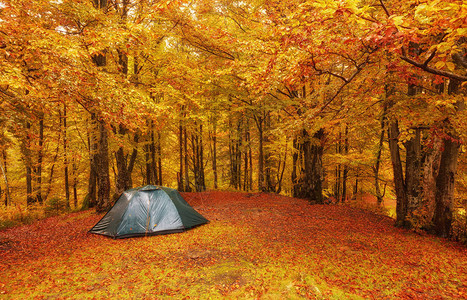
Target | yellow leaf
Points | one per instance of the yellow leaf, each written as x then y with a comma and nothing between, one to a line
399,20
440,64
450,66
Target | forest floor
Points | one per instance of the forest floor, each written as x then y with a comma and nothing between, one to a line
256,246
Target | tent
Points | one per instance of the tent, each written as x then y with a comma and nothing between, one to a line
148,210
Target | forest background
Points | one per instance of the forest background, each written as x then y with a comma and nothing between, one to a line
324,100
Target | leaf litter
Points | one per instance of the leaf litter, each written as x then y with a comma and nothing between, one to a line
256,246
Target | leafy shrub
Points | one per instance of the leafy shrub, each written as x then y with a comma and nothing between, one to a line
11,216
55,206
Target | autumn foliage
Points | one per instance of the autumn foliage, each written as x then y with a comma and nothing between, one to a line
257,245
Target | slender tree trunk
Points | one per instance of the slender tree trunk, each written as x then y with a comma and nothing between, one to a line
281,170
75,184
186,159
259,123
159,158
40,158
155,173
214,153
379,194
201,159
346,168
29,196
3,166
337,189
295,166
181,185
65,157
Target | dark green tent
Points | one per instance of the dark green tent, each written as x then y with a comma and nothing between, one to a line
148,210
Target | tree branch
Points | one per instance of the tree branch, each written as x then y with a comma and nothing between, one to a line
424,66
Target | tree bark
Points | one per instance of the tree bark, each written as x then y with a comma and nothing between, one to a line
346,167
399,183
445,188
3,166
379,194
308,183
124,165
259,124
30,199
40,159
214,153
186,160
103,176
90,200
444,195
65,157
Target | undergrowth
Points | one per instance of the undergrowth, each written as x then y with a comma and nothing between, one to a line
16,215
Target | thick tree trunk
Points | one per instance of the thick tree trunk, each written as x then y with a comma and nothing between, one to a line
445,188
444,195
91,198
308,183
399,183
103,176
413,173
124,166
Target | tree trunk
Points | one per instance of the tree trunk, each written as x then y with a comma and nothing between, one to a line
214,153
346,168
337,188
181,186
413,173
30,199
3,166
40,158
124,166
308,183
75,185
65,157
379,194
186,160
159,158
103,176
90,200
399,183
259,124
445,180
445,188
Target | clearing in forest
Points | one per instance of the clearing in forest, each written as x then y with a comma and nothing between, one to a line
255,246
